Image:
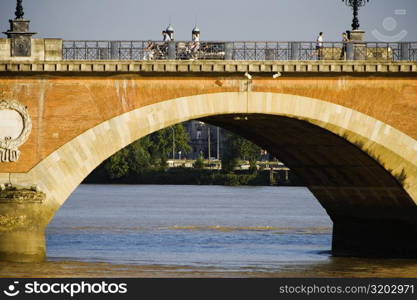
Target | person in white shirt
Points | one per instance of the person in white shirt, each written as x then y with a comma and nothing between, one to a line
319,46
165,36
196,35
195,45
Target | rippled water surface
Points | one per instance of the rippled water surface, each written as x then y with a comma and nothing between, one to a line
228,227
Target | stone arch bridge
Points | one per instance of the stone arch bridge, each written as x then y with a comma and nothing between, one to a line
347,129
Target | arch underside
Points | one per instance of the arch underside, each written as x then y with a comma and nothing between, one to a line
366,183
345,179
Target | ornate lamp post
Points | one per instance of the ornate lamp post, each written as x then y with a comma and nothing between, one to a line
356,35
19,10
21,43
355,4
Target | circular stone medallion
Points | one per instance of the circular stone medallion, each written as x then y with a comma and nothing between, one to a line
15,128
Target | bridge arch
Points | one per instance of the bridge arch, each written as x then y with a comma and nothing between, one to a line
365,212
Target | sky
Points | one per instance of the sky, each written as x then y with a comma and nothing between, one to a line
243,20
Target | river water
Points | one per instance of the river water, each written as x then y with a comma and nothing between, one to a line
203,231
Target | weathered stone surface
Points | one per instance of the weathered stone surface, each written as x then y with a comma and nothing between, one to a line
21,46
19,26
21,38
40,50
22,246
357,35
21,196
23,218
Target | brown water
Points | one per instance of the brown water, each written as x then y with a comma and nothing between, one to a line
334,268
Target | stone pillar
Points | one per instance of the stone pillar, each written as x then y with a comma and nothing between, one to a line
357,36
21,38
357,49
23,219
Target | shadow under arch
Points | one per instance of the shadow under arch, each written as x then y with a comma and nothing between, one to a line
362,171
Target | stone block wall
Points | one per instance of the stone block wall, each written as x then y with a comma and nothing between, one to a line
42,50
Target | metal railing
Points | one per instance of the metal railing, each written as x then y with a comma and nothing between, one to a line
276,51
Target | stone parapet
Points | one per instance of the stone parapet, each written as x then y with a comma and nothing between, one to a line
179,67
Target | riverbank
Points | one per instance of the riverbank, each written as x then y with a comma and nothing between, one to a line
191,176
335,268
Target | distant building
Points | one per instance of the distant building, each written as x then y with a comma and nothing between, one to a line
199,140
199,131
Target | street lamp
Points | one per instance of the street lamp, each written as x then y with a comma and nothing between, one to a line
173,144
170,31
209,142
355,4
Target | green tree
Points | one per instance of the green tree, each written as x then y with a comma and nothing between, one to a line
248,151
182,139
117,165
238,148
162,144
149,152
139,158
158,148
199,163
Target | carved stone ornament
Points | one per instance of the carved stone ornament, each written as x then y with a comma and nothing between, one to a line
15,128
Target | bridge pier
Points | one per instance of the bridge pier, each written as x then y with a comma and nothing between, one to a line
23,246
376,238
23,219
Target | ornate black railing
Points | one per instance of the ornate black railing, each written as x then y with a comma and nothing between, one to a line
280,51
